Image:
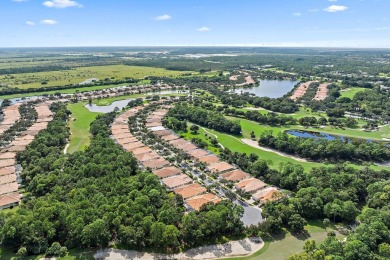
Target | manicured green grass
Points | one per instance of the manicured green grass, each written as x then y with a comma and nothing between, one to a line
350,93
201,135
79,126
78,75
274,160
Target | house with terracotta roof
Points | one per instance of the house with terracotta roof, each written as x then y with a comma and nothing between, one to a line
132,146
178,142
267,194
7,155
170,137
9,200
167,172
7,170
177,181
220,167
209,159
8,188
197,153
195,203
162,132
7,162
146,156
156,163
235,176
190,191
4,179
142,150
127,140
153,124
250,185
186,147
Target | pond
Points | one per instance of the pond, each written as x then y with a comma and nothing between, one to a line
270,88
18,100
320,135
109,108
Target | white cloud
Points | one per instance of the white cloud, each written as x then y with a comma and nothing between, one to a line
61,4
49,22
29,23
164,17
203,29
335,8
297,14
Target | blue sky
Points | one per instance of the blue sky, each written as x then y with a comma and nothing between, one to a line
317,23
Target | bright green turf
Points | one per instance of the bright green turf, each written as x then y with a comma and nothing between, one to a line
235,145
79,128
350,93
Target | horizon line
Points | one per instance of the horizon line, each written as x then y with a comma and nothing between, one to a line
184,46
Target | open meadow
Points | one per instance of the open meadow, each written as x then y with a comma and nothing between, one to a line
81,74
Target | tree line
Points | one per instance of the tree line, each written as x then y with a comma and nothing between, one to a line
99,196
203,117
320,149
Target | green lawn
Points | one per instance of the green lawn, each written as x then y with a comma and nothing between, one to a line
79,126
78,75
274,160
351,92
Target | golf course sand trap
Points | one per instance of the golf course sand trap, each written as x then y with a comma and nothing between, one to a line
242,247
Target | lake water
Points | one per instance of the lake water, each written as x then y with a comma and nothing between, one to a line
324,136
18,100
110,108
270,88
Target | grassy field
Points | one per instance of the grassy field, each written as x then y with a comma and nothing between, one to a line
78,75
68,91
350,93
79,126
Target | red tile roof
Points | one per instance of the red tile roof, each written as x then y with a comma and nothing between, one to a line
198,201
190,190
167,172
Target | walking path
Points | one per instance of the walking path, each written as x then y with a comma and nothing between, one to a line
215,136
256,145
242,247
